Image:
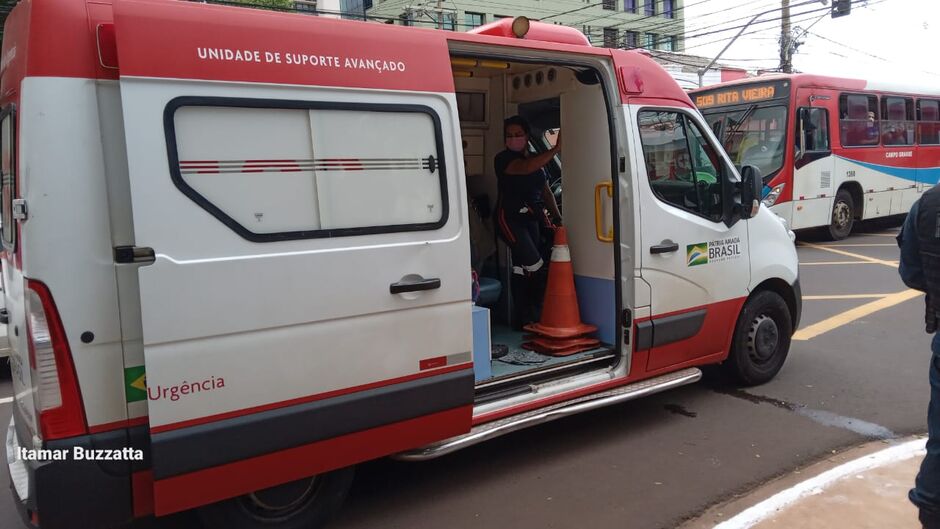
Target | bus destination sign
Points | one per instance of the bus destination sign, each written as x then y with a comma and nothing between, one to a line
742,94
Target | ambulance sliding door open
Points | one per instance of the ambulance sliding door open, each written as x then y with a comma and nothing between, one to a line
549,97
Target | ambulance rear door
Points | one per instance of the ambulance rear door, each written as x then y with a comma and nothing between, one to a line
303,268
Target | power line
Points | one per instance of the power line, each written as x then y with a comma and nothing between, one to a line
658,24
746,17
846,46
866,2
645,17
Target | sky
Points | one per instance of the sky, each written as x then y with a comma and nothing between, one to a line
889,40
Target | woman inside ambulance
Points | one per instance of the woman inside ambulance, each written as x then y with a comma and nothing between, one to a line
524,195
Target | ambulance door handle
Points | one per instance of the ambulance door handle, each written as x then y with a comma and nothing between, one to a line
414,286
666,246
4,316
603,236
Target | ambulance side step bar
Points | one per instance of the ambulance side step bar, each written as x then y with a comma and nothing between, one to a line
513,423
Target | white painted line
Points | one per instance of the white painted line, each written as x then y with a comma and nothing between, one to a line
6,400
774,504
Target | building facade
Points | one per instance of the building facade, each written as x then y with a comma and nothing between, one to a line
649,24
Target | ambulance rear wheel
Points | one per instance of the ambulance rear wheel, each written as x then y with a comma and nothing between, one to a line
761,339
843,216
307,503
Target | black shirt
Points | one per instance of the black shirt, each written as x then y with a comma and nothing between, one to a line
518,191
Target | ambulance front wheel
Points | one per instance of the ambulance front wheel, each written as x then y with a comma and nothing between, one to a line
761,339
307,503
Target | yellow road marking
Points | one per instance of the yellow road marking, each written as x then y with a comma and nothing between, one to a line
892,264
848,296
851,315
818,263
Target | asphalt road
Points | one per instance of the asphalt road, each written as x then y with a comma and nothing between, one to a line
857,373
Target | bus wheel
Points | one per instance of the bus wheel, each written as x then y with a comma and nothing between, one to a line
761,339
303,504
843,216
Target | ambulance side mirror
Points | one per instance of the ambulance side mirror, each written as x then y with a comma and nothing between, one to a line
751,187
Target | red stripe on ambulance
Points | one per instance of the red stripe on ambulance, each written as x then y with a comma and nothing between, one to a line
310,398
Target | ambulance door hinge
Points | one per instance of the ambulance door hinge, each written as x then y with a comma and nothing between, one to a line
623,164
133,255
20,211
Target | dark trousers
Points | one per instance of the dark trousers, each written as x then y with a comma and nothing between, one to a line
522,233
926,492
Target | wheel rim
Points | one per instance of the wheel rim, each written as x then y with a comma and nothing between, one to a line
282,501
763,339
841,215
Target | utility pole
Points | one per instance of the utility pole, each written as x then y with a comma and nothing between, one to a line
786,48
440,15
786,6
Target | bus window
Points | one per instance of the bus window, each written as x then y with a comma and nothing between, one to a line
928,122
858,120
897,125
814,122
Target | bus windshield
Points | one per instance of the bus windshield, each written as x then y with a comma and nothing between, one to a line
754,135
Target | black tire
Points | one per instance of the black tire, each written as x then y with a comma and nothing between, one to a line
761,339
843,216
307,503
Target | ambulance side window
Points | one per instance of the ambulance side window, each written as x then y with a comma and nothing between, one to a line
681,165
309,170
7,178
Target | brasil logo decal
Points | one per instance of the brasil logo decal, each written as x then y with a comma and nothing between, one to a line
713,251
135,383
696,254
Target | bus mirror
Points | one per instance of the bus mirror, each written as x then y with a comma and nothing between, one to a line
751,186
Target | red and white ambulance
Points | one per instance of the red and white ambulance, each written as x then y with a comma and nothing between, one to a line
237,250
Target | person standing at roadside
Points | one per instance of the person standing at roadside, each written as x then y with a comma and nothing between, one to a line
920,269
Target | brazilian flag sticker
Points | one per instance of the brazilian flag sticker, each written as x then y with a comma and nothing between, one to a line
696,254
135,383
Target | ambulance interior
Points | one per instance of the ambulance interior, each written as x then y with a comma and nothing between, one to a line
551,98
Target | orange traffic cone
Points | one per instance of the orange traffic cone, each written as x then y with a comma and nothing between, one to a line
560,315
560,346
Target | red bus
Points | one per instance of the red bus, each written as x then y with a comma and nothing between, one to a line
831,151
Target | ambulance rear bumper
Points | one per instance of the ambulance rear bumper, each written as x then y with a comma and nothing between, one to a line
68,494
